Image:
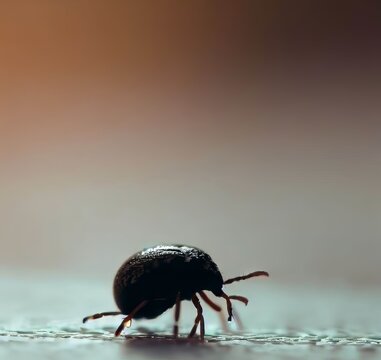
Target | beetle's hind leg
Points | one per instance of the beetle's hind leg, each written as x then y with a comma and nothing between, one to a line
177,316
100,315
199,319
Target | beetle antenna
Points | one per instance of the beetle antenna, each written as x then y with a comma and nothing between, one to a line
240,298
248,276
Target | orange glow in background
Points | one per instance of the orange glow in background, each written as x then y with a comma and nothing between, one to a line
247,128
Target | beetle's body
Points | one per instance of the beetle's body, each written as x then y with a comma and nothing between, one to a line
158,278
159,274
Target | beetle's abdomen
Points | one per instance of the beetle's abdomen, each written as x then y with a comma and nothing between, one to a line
158,274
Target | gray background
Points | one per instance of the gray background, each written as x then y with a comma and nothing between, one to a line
250,129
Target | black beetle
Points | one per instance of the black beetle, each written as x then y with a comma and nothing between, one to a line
155,279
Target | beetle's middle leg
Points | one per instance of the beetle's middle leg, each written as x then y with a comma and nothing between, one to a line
177,316
199,319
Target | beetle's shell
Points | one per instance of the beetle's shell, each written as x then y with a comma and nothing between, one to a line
159,273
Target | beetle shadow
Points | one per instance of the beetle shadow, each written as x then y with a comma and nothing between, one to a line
166,347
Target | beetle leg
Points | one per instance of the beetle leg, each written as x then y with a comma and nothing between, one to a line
229,306
213,305
100,315
195,326
238,320
177,316
128,319
240,298
199,319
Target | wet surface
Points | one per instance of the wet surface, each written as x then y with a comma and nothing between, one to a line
41,318
64,344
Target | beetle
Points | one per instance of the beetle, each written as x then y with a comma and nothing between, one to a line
157,278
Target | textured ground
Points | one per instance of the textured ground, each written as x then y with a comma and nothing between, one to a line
41,318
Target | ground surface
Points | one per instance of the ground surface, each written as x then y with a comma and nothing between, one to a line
41,318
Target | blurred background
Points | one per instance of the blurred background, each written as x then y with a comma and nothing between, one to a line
248,128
